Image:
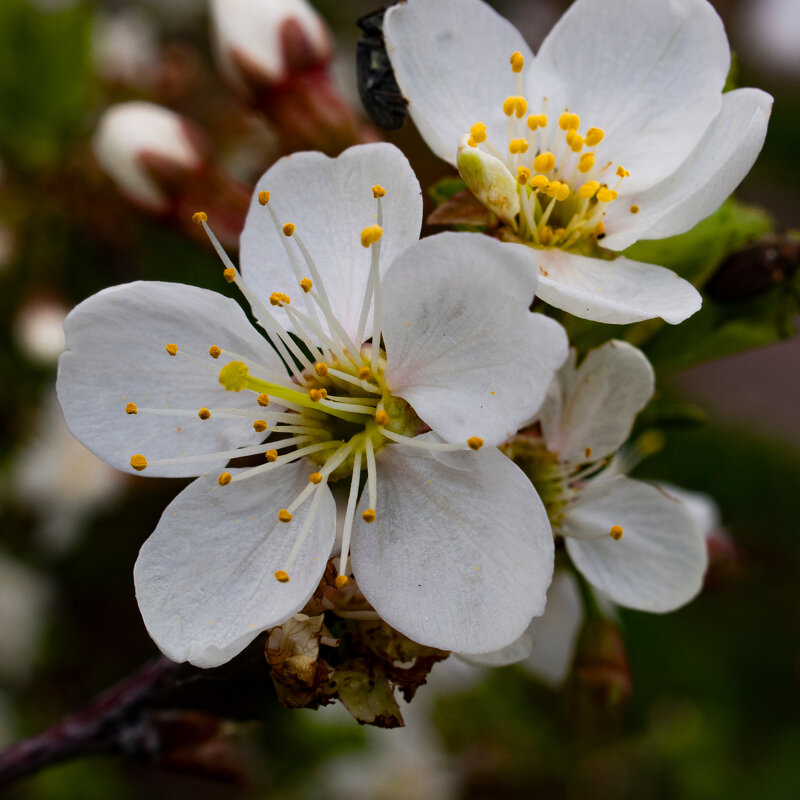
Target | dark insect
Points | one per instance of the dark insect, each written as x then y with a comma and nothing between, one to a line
377,85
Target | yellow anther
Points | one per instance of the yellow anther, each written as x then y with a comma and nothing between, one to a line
363,373
616,532
131,408
622,172
229,274
517,61
475,442
378,191
306,285
521,107
575,141
315,478
199,217
317,394
263,197
204,414
569,122
594,136
588,190
606,195
518,146
560,232
586,162
477,133
214,351
224,479
172,349
369,515
271,455
260,425
600,229
381,417
282,576
341,581
537,121
546,235
563,192
634,209
538,181
279,299
471,142
233,376
138,462
523,175
288,229
509,105
321,368
284,515
370,235
544,162
263,400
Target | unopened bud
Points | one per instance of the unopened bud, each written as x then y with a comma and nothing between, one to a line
489,180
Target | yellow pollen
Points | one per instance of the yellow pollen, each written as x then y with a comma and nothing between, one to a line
475,442
517,61
563,192
284,515
378,191
478,133
588,190
518,146
317,394
288,229
369,515
214,351
381,417
546,235
341,581
537,121
279,299
544,162
315,478
172,349
523,175
616,533
138,462
622,172
521,107
233,376
471,142
204,414
575,141
560,232
586,162
587,452
509,105
229,274
263,400
306,284
260,425
199,217
606,195
364,373
569,122
634,209
131,408
370,235
600,229
538,181
594,136
282,576
263,198
224,479
321,368
271,455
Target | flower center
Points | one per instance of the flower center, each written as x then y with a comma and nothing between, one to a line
545,181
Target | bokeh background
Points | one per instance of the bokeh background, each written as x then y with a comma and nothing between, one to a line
715,702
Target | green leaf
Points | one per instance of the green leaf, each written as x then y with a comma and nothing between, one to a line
445,188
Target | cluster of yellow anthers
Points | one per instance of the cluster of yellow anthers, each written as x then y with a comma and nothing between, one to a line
335,408
562,190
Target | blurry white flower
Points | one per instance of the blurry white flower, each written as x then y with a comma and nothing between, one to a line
125,48
617,131
39,330
451,547
771,31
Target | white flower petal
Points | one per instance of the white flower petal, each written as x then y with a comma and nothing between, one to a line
518,650
116,354
715,168
618,291
462,347
591,411
451,60
701,506
204,579
455,560
657,565
330,202
649,73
